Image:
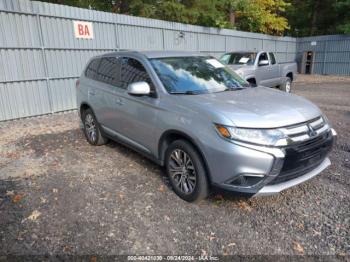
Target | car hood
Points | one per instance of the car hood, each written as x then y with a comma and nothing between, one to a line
236,67
258,107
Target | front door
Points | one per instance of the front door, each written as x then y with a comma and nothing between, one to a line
274,70
138,114
262,72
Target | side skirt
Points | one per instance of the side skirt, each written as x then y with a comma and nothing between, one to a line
111,134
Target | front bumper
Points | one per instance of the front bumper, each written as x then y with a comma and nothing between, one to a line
274,189
288,166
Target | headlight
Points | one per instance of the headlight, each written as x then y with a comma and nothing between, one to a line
325,119
267,137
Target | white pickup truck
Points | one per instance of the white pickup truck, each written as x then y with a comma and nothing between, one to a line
261,68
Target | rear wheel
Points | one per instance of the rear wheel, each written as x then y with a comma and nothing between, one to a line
92,129
286,86
186,171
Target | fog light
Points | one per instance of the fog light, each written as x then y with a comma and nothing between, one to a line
247,180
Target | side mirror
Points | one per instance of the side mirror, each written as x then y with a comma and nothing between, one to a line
139,89
263,62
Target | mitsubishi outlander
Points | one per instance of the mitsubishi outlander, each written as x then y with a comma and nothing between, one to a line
205,124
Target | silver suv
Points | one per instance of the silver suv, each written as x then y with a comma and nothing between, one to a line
204,123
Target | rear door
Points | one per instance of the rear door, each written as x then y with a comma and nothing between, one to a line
90,81
108,76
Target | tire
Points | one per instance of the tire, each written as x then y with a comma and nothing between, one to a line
286,86
92,129
252,82
183,177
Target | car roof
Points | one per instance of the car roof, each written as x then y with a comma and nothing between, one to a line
156,54
244,51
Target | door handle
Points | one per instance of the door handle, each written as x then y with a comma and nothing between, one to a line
91,93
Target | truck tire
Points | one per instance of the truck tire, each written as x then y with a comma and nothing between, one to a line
252,82
286,86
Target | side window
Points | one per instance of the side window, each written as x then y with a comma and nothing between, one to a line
263,56
226,59
272,58
133,71
91,70
109,71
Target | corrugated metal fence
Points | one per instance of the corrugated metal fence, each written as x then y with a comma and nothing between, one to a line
40,58
332,53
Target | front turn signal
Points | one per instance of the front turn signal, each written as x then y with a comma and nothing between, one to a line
223,131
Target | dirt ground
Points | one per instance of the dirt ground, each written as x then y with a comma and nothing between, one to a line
59,195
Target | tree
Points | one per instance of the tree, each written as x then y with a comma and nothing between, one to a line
102,5
198,12
342,8
318,17
264,16
251,15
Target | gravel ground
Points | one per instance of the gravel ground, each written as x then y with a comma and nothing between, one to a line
59,195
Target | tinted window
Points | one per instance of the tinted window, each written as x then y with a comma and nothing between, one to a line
91,70
133,71
196,74
263,56
109,71
273,59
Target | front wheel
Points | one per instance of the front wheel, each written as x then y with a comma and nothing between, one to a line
186,171
286,86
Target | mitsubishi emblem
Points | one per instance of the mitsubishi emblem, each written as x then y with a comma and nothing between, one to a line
311,131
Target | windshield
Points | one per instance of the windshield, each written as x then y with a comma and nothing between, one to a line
238,58
195,74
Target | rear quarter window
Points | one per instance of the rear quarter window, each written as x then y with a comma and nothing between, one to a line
91,70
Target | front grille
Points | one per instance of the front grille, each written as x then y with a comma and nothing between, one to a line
303,157
305,131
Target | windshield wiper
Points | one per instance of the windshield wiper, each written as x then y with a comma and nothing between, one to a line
234,88
184,92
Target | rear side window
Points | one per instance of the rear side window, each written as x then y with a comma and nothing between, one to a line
133,71
273,59
91,70
109,71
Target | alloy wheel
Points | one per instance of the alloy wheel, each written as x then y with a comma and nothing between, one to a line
182,171
90,127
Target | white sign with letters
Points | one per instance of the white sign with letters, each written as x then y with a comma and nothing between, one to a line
83,30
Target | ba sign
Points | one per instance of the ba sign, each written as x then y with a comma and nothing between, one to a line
83,30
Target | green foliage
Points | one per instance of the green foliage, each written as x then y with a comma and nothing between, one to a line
277,17
342,8
198,12
262,16
102,5
318,17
